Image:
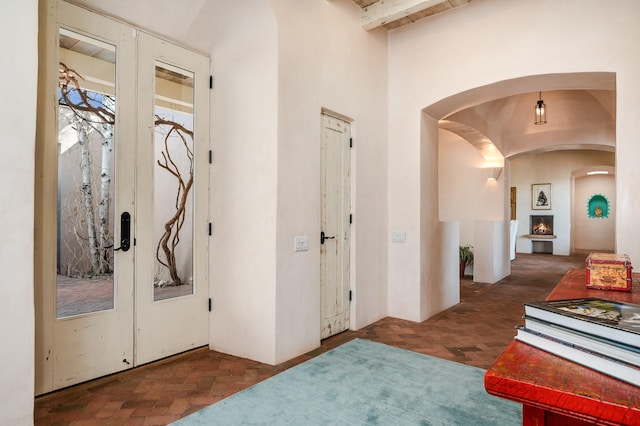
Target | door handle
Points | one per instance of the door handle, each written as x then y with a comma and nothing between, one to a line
125,232
323,237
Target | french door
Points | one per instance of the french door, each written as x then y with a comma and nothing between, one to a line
122,159
172,187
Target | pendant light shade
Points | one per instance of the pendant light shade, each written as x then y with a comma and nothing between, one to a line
541,111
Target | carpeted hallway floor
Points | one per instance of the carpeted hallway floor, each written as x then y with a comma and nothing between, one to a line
474,332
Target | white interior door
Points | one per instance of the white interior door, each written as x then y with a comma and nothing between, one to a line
104,301
335,234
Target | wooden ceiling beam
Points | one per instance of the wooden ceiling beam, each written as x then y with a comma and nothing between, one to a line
385,11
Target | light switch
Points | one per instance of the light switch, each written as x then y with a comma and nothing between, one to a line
301,243
398,237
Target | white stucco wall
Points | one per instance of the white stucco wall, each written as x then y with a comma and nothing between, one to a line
274,71
19,24
439,283
328,62
466,48
466,194
555,168
490,251
244,191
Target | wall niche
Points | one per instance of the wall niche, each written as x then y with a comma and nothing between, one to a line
598,207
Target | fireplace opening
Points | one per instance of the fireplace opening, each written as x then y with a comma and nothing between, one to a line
542,225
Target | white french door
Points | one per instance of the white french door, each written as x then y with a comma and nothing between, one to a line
121,273
171,200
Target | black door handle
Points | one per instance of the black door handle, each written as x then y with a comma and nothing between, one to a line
323,237
125,232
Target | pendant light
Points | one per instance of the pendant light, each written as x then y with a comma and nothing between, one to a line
541,110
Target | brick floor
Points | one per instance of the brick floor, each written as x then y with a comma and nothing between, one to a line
77,296
473,332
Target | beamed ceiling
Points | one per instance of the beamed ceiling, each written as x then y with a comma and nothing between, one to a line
396,13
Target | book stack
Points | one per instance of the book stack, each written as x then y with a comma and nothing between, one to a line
601,334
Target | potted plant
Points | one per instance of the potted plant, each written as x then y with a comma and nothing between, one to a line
466,258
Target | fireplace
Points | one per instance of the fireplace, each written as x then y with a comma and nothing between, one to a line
542,225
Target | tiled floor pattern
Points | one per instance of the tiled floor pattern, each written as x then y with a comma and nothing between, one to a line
473,332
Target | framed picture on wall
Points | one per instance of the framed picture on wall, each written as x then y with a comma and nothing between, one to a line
541,196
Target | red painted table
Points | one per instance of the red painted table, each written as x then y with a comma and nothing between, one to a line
554,391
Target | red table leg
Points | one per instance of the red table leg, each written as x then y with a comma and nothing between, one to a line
532,416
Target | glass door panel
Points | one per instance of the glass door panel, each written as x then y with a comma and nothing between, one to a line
86,117
173,182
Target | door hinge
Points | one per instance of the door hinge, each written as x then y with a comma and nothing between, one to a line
211,82
350,218
210,228
350,295
350,142
210,157
210,305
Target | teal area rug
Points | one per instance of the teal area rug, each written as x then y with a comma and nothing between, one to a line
365,383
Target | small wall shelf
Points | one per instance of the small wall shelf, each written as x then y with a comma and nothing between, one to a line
540,237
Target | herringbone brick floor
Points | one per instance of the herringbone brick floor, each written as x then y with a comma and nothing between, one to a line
473,332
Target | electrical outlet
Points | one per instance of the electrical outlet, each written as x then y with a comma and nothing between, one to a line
301,243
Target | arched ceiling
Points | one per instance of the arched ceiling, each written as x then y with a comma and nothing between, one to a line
581,114
576,119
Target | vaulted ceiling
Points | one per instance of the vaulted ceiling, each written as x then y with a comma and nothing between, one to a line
576,119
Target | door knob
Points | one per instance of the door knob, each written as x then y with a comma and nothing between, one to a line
323,237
